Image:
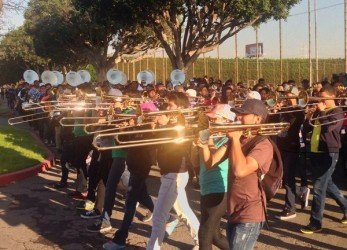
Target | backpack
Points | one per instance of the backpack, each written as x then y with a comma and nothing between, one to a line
272,180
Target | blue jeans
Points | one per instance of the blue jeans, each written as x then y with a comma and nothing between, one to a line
242,236
323,166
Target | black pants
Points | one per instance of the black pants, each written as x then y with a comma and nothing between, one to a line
66,156
213,208
291,162
82,145
98,170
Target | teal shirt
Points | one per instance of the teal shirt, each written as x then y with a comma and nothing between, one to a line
214,180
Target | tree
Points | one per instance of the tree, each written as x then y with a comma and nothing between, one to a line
17,54
71,33
198,26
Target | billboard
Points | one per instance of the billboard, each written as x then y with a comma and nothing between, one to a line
251,50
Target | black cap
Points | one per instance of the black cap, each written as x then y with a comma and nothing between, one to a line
252,106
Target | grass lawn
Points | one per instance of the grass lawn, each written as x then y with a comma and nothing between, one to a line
18,149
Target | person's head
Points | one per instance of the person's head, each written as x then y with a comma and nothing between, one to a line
305,84
203,91
43,89
328,91
177,100
291,82
257,87
318,87
252,111
264,93
179,88
261,81
293,92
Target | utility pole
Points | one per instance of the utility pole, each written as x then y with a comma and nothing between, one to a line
237,60
316,39
345,36
163,70
257,51
309,41
219,68
205,69
281,60
155,68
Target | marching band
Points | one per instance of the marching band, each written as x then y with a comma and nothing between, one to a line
241,143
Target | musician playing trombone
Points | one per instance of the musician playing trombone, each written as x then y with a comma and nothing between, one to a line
246,203
289,144
325,146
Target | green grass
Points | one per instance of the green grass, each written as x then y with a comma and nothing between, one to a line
18,150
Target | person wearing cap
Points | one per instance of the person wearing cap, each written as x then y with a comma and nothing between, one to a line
289,145
213,180
325,147
246,203
253,95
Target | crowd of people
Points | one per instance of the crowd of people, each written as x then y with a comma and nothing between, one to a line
229,168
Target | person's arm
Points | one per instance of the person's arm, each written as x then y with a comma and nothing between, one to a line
336,120
241,165
211,159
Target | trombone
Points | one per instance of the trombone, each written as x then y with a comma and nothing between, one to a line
313,120
120,124
179,138
32,117
266,129
78,119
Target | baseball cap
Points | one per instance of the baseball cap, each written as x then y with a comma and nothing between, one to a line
293,90
223,110
252,106
191,92
253,95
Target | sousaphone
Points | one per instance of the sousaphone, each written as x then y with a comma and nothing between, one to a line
177,77
73,78
60,77
30,76
49,77
85,75
115,76
146,77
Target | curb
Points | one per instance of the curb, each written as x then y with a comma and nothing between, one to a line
6,179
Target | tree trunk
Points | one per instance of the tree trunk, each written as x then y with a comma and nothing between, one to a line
101,72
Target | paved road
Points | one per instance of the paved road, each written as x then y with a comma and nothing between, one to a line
33,215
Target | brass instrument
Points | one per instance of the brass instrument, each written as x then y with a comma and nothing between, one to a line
273,99
31,117
312,120
115,124
75,119
180,137
253,129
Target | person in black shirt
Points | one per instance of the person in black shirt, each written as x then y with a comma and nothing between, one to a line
325,147
172,163
289,145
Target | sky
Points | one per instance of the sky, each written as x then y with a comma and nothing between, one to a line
330,29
